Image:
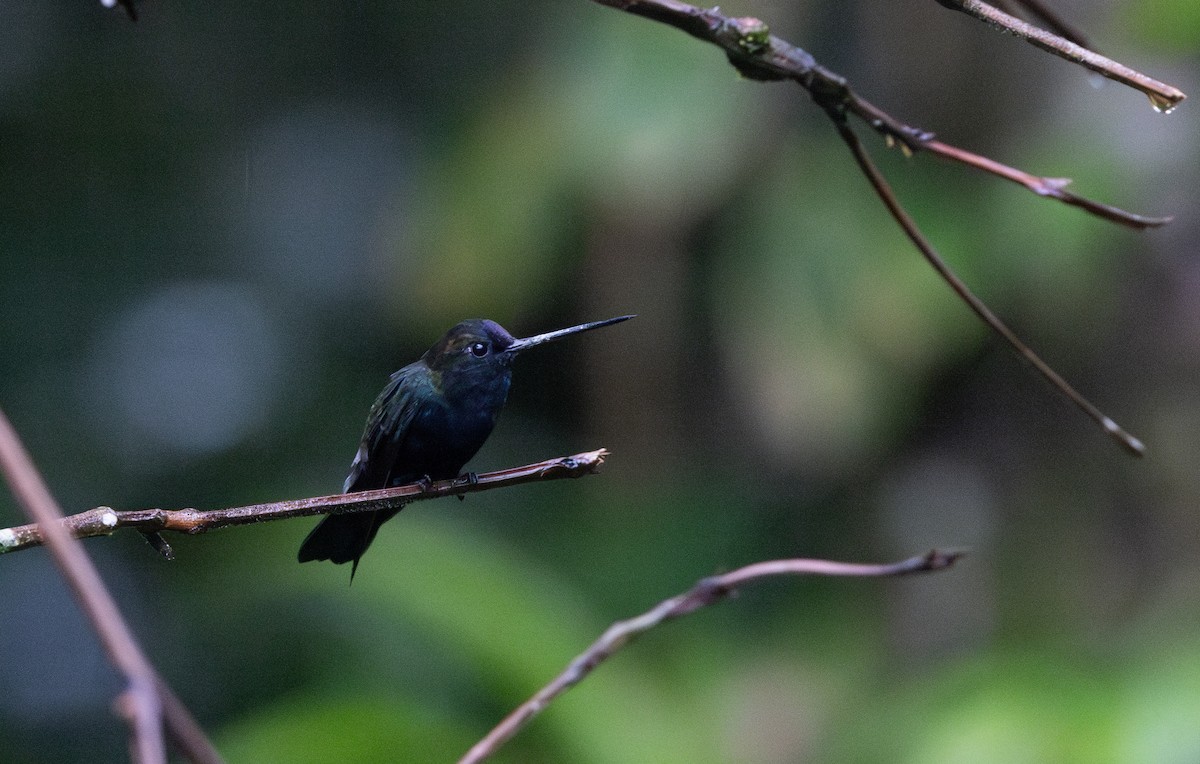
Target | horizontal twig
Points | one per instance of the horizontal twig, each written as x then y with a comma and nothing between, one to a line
102,521
706,592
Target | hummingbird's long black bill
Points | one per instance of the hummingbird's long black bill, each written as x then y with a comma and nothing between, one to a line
538,339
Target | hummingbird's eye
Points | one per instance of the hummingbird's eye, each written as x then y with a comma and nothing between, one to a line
479,349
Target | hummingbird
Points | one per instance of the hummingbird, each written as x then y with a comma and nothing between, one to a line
429,420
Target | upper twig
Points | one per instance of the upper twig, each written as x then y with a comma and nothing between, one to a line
757,54
1053,21
1163,97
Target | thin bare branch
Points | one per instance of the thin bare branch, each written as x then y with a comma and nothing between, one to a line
1050,18
102,521
1055,188
1163,97
708,591
142,703
884,191
184,731
760,55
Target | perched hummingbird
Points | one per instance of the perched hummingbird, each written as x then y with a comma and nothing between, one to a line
432,417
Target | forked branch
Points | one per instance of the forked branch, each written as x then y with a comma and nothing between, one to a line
758,54
708,591
901,216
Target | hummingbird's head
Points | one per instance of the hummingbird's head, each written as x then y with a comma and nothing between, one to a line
474,359
471,363
483,343
476,342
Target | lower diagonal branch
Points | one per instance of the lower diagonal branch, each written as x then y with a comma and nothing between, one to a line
143,701
708,591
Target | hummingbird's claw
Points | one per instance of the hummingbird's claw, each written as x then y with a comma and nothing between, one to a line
466,479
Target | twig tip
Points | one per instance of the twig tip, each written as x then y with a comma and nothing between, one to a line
1128,442
940,559
1164,102
7,538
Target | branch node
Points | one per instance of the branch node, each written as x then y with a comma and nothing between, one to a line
751,43
753,35
465,480
707,591
940,559
832,94
124,705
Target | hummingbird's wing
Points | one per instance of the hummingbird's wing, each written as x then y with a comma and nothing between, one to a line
344,538
408,392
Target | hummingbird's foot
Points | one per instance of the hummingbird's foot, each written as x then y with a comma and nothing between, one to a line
467,478
425,483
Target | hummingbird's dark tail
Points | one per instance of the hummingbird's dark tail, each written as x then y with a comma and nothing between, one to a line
344,538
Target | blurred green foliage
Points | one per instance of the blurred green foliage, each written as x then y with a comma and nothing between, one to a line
1168,24
225,225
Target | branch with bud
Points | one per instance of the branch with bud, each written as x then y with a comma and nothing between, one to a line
103,521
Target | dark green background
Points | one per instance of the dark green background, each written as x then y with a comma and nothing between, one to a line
222,227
